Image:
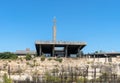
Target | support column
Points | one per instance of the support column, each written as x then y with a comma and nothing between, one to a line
106,58
66,51
94,58
53,51
79,52
40,51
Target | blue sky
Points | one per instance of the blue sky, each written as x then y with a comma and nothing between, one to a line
96,22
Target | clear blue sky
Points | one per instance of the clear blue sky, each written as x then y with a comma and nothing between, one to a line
96,22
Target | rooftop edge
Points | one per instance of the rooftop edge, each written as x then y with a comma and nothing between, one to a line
60,42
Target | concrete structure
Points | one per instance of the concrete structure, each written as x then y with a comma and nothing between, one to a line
54,29
25,52
106,57
106,54
59,48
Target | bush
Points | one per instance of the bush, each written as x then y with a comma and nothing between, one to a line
8,55
49,59
82,80
21,59
42,58
68,80
27,63
28,57
56,70
59,59
51,79
6,79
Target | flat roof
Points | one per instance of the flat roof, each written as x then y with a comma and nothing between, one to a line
25,52
108,53
60,43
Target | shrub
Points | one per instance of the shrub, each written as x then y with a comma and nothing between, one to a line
88,62
59,59
28,57
49,59
79,80
34,62
42,58
21,59
56,70
9,61
6,79
8,55
51,79
68,80
27,63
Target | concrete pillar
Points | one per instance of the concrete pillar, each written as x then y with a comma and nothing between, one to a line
53,51
98,57
40,51
78,50
79,53
94,58
66,51
106,58
54,30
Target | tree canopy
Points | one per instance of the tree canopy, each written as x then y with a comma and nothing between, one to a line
8,55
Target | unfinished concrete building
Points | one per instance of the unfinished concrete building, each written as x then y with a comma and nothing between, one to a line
58,48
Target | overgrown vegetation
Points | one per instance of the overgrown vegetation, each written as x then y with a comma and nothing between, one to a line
59,59
28,57
42,58
8,55
49,59
6,79
51,79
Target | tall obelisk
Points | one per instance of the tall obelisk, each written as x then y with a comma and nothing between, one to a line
54,29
